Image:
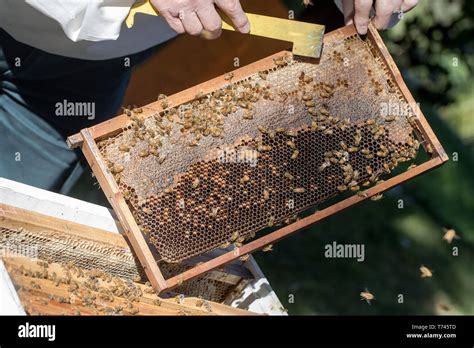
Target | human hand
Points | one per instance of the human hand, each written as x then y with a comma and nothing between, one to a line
358,12
197,16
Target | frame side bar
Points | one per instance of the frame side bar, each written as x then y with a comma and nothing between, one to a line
134,235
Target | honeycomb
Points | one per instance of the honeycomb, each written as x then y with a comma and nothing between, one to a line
253,154
115,261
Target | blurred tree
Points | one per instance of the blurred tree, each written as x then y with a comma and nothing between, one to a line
433,45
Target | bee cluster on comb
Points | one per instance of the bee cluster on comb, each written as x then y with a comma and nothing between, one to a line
260,149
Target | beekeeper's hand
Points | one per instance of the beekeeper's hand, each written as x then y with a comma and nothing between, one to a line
197,16
359,12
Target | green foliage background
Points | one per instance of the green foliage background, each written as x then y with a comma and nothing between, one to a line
434,49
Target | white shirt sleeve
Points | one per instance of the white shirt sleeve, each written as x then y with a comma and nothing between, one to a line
91,20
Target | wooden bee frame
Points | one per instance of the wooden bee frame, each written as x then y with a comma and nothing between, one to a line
87,138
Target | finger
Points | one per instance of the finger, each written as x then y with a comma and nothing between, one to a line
191,23
383,12
361,15
407,5
211,22
348,11
174,22
233,9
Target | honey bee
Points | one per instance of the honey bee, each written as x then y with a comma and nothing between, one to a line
225,245
357,137
411,166
234,236
127,112
144,153
324,166
429,148
365,151
307,97
291,133
449,235
367,296
195,183
262,129
328,131
390,118
362,194
244,257
229,76
291,144
124,148
310,104
194,143
263,75
244,179
352,149
295,154
237,244
289,176
267,248
266,195
280,61
264,148
117,168
168,190
342,188
425,272
248,115
179,298
34,285
307,3
377,197
243,104
299,190
329,89
147,210
271,221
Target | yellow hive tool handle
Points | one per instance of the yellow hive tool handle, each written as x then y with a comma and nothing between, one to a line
307,38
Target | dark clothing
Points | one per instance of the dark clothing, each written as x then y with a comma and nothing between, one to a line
34,87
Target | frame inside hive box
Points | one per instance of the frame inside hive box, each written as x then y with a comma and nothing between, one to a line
356,137
31,243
